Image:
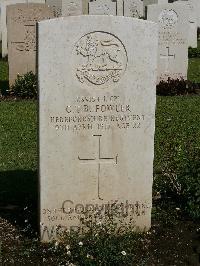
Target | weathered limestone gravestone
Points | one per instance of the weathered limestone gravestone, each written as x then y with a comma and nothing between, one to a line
103,7
85,5
196,8
133,8
196,5
96,119
21,23
192,33
173,39
3,22
120,7
127,8
72,8
161,2
56,5
146,3
68,7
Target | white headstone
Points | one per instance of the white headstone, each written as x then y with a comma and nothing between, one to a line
161,2
21,23
85,5
196,5
150,2
72,8
133,8
97,108
173,40
146,3
68,7
120,7
102,7
3,23
56,5
192,33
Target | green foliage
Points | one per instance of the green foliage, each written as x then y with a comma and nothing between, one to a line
25,86
177,156
194,52
176,87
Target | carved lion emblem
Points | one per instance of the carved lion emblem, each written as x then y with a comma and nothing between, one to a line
102,58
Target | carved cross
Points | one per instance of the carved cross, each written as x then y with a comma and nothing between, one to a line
99,160
167,58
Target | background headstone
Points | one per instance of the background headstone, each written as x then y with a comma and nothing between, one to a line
196,5
85,7
56,5
97,116
192,19
21,22
102,7
3,23
72,8
133,8
161,2
146,3
173,39
120,7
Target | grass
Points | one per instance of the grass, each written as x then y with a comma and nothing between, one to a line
177,137
194,70
4,70
3,76
18,160
18,133
3,73
177,123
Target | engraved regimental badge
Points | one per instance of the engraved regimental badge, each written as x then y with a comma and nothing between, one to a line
168,18
101,59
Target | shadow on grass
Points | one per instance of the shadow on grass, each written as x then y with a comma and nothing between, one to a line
19,199
4,87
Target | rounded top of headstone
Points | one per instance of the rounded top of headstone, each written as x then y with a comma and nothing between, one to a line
168,18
